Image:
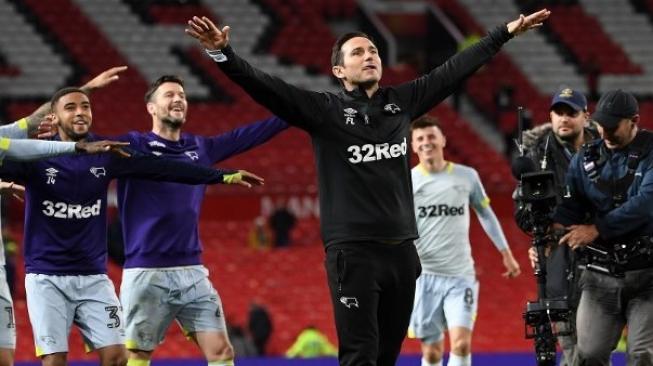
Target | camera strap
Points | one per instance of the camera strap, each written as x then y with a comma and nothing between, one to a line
595,157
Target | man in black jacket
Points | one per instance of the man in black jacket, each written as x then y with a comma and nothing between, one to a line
360,139
551,147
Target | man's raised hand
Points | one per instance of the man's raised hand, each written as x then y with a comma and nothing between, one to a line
525,23
47,128
207,33
104,78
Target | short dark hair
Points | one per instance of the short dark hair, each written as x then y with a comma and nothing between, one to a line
337,57
424,122
65,91
157,83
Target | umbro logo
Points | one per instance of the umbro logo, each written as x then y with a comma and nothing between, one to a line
349,301
98,171
51,174
350,114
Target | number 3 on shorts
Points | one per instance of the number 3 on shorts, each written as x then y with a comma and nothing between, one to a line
113,315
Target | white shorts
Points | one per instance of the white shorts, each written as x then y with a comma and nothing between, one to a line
54,303
7,320
443,302
154,297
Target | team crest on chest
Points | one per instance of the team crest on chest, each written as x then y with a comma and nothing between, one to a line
391,108
192,155
98,171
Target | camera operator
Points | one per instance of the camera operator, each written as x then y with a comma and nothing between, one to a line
551,147
611,180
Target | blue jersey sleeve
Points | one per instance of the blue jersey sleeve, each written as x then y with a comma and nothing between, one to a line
241,139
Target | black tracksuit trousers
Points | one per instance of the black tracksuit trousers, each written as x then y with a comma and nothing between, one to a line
372,290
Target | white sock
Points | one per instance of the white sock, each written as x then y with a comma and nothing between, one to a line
455,360
426,363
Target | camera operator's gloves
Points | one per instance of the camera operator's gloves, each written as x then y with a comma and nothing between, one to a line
243,178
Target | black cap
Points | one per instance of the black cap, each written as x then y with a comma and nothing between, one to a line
573,98
614,106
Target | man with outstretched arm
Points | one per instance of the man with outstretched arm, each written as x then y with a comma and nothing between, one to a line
360,138
66,232
159,218
15,145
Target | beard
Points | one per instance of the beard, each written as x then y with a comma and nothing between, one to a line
173,123
570,137
74,136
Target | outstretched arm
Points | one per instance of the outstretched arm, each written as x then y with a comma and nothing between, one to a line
29,126
145,166
432,88
297,106
243,138
526,23
103,79
25,149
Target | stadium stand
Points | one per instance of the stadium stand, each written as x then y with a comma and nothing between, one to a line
80,38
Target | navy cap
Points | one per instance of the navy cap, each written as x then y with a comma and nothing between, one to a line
570,97
614,106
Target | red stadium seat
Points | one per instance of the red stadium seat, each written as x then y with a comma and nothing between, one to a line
242,274
584,37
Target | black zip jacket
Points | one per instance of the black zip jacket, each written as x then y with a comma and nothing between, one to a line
562,274
558,156
362,144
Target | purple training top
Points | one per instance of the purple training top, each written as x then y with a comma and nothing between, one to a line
160,219
66,205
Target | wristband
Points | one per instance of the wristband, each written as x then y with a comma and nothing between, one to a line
232,178
216,55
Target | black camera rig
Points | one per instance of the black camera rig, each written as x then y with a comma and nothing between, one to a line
615,259
537,193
